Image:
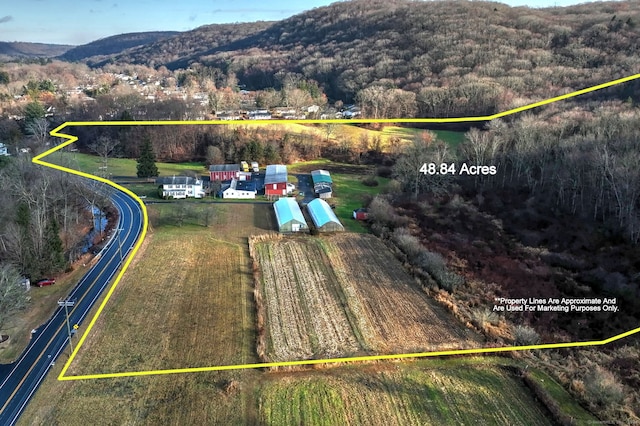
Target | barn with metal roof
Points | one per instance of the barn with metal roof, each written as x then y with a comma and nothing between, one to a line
275,180
289,215
323,216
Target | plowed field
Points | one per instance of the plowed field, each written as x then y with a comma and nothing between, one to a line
344,295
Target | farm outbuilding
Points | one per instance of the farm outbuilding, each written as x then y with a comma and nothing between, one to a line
322,183
361,214
240,189
323,216
289,215
224,171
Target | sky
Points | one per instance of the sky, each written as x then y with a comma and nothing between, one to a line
78,22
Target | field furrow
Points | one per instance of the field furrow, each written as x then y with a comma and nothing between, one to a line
344,294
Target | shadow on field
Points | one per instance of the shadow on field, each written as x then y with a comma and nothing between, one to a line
264,217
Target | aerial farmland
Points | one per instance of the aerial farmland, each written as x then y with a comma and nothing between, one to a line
320,298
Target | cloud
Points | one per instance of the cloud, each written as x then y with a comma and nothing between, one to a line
6,18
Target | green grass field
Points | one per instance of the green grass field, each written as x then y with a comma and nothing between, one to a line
119,167
349,191
421,393
355,133
349,195
567,404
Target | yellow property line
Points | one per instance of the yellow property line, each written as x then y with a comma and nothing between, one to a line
71,139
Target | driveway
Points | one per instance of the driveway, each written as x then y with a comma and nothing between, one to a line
305,185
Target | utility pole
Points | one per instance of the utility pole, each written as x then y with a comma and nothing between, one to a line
66,303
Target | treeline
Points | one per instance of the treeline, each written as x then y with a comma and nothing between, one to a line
578,163
214,144
586,166
44,217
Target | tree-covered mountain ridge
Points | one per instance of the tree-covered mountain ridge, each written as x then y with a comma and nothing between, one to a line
444,52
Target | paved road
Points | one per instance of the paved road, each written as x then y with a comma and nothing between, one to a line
20,380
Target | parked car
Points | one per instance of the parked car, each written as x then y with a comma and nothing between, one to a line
45,281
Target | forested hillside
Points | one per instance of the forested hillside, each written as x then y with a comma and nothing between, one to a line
448,58
31,50
197,42
115,44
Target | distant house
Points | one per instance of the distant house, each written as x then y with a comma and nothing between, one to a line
322,183
289,215
224,171
361,214
3,149
228,116
275,180
178,187
260,114
323,216
240,189
351,111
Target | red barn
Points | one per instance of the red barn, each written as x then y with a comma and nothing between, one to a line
224,171
275,180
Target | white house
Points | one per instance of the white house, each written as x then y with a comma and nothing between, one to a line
178,187
240,189
3,149
260,114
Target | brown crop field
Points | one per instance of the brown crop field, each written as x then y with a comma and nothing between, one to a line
186,301
204,314
344,295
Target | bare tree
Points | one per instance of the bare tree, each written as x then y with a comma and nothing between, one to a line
104,147
13,296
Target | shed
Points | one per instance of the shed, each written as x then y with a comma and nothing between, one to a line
323,216
361,214
322,183
289,215
321,176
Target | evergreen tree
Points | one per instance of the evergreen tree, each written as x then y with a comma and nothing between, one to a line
147,161
54,254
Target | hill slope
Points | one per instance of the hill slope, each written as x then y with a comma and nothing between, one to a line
488,51
115,44
31,50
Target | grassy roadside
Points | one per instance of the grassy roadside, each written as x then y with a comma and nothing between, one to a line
186,302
